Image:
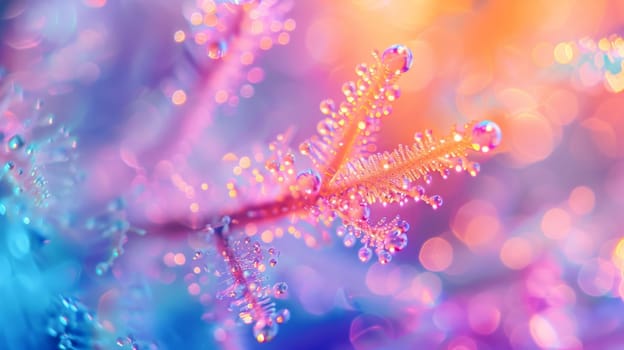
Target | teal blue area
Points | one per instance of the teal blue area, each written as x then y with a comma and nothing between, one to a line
612,65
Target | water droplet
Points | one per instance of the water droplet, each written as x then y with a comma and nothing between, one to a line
383,256
282,316
340,231
217,49
349,88
327,106
272,165
264,331
349,240
16,142
273,262
365,254
397,58
101,268
403,226
358,211
289,158
308,182
280,290
428,179
473,169
361,69
486,135
392,93
395,241
325,127
436,201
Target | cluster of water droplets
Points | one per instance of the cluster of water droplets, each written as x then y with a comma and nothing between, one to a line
36,154
383,239
217,27
240,264
113,228
367,100
71,324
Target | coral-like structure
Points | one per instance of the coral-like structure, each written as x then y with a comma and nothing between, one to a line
346,178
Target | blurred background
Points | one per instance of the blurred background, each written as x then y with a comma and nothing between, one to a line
529,254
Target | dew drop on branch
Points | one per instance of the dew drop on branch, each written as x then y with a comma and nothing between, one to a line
486,135
397,58
308,182
280,290
16,142
365,254
395,241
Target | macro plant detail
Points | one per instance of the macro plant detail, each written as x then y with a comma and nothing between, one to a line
167,180
347,177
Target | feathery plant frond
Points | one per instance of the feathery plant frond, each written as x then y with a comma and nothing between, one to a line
241,263
347,177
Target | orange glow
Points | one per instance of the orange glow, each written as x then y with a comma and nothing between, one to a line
476,224
194,207
251,229
436,254
516,253
211,20
244,162
283,38
618,256
221,96
582,200
266,43
556,223
179,259
561,106
247,58
564,53
290,25
532,138
178,97
179,36
267,236
196,18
